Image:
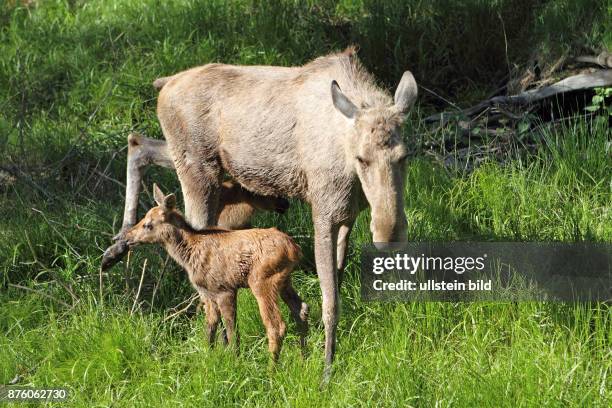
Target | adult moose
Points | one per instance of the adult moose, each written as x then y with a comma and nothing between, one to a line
323,132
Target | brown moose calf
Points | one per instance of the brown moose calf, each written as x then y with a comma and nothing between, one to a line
219,262
237,208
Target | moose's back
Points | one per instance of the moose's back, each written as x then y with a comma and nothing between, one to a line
274,129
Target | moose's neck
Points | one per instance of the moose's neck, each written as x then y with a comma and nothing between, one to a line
179,245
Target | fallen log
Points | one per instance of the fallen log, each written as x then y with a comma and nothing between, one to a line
578,82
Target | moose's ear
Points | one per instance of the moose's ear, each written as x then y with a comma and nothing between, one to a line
341,102
169,202
158,195
406,92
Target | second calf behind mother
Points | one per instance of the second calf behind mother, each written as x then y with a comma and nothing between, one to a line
219,262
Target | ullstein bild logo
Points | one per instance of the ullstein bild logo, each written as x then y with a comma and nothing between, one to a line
473,271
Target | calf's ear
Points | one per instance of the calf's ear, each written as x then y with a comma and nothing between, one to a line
158,195
169,202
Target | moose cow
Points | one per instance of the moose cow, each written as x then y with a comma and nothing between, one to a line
237,205
323,132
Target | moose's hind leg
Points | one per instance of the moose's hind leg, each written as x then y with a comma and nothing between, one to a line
299,312
200,182
213,317
142,152
196,161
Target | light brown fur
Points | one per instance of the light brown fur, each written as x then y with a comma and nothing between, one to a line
237,205
323,132
219,262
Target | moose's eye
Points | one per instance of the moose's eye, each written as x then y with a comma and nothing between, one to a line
363,162
148,226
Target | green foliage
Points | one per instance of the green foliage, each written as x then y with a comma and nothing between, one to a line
421,353
599,101
75,79
84,67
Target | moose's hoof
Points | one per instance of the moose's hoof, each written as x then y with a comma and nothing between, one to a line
114,254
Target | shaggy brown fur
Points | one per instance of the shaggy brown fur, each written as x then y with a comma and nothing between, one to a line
219,262
237,206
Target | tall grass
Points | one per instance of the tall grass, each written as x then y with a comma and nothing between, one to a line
74,80
79,72
419,354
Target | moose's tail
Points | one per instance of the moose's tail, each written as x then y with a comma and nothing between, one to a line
160,82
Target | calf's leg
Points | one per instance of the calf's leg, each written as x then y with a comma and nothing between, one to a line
299,312
266,292
213,317
227,305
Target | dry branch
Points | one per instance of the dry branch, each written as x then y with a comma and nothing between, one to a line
144,267
603,60
183,310
578,82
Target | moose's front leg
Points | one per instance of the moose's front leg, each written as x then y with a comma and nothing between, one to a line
142,152
342,248
325,258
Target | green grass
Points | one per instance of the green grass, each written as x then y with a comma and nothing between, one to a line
75,79
493,354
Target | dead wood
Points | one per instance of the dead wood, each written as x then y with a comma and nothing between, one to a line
578,82
603,60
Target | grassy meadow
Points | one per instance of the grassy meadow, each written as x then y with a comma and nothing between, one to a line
75,79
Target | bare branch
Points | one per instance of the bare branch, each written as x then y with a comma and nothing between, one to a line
144,267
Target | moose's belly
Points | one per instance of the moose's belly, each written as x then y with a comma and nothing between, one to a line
265,172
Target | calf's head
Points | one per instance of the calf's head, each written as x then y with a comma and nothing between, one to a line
377,153
270,203
158,223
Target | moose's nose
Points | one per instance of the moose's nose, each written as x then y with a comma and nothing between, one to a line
386,232
282,205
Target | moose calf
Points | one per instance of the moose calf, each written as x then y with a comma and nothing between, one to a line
219,262
237,206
